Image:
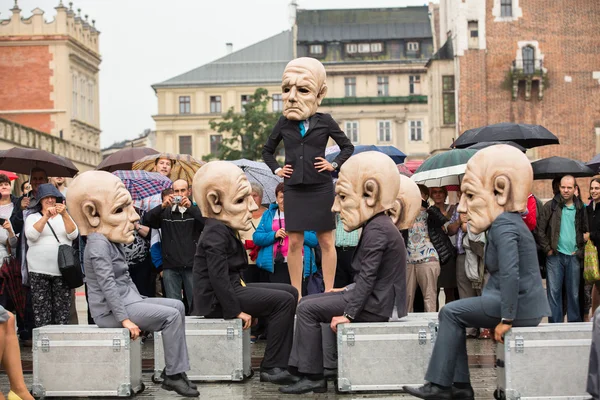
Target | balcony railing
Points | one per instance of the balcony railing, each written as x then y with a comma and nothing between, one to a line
351,101
532,68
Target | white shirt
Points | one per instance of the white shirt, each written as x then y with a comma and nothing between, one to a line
42,255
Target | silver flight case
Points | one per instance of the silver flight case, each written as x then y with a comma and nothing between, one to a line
78,360
384,356
219,350
549,361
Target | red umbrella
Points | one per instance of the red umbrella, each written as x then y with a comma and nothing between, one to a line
11,175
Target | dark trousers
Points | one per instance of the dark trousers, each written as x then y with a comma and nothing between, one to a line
449,362
253,274
344,275
141,275
307,351
281,274
277,302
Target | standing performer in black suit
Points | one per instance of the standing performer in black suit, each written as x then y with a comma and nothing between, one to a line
308,190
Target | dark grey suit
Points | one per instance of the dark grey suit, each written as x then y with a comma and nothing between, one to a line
113,298
380,282
514,291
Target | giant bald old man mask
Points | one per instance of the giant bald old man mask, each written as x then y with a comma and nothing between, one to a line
498,179
368,184
223,192
99,203
407,205
303,88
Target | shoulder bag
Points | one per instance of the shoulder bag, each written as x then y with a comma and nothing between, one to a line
68,263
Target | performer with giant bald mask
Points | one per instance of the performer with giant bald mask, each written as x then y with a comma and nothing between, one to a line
367,188
103,211
307,174
495,189
224,196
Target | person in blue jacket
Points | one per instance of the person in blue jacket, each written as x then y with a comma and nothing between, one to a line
273,241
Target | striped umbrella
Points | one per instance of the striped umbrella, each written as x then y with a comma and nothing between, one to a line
443,169
185,166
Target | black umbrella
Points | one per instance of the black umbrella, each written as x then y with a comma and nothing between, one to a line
124,158
556,167
528,136
483,145
594,163
23,160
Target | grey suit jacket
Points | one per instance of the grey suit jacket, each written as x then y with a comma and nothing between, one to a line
514,289
379,263
109,285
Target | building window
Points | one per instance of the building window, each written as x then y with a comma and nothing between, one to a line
506,8
473,34
414,84
91,102
384,131
185,105
383,86
245,99
215,104
528,60
376,47
350,85
316,49
352,131
412,46
75,99
82,99
364,47
416,131
448,99
277,103
215,141
185,145
351,48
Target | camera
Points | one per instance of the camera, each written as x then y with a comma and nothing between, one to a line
177,199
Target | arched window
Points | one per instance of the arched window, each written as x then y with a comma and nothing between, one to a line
528,60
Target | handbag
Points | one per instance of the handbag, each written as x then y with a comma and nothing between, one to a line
591,272
68,263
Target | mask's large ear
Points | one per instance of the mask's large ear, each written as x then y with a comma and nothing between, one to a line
90,213
396,212
214,202
371,192
502,190
322,93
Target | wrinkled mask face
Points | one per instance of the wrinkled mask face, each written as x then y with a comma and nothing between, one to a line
478,202
117,215
350,204
300,93
237,204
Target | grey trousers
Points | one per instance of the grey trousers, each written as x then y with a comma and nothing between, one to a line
593,381
449,362
157,314
309,342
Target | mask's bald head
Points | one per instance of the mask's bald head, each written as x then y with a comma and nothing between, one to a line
303,88
407,205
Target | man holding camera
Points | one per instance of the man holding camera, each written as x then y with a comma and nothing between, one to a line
181,223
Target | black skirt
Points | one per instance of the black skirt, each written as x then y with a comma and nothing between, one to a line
308,207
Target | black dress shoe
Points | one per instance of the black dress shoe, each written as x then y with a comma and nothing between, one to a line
279,376
429,391
305,385
191,384
463,393
178,384
330,374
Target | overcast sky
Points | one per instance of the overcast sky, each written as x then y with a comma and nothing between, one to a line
148,41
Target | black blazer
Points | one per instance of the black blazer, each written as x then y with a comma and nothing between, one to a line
300,152
220,257
379,264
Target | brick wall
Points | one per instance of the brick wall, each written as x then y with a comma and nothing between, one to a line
25,81
568,34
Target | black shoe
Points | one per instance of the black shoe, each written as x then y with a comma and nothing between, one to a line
305,385
191,384
463,393
330,374
278,376
429,391
178,384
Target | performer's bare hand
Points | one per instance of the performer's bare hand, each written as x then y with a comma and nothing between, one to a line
499,332
285,172
280,234
323,165
134,330
246,318
335,290
338,320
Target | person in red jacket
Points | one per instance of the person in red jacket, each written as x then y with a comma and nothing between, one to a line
530,216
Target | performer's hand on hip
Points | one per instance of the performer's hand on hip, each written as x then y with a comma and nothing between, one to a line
323,165
285,172
338,320
499,332
247,319
134,330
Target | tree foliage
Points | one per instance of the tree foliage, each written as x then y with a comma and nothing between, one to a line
244,134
